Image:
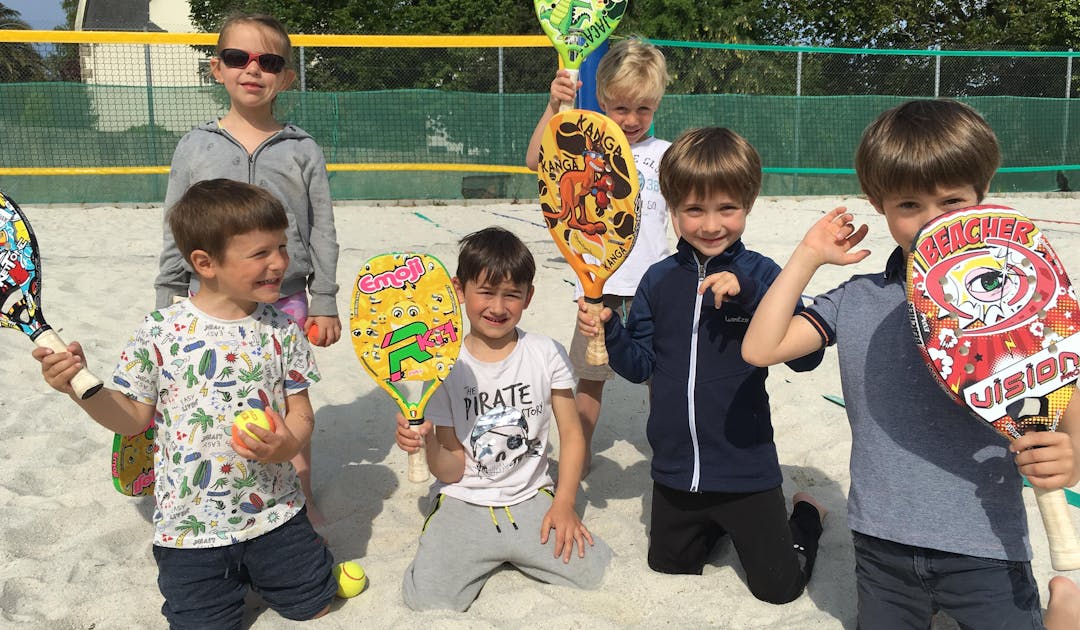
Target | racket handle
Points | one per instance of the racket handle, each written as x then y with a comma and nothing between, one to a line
1060,532
84,383
563,106
596,352
418,468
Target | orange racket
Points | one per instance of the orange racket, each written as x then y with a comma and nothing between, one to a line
588,188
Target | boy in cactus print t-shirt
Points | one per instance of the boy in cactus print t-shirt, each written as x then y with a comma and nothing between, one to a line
200,372
229,510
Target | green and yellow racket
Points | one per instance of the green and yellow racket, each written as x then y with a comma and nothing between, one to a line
577,27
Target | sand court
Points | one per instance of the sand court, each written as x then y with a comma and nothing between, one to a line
76,554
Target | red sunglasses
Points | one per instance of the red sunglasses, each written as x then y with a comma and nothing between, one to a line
236,58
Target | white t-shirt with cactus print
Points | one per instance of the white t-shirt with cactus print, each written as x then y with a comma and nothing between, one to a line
200,372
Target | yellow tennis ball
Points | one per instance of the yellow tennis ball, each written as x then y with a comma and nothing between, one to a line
351,579
250,416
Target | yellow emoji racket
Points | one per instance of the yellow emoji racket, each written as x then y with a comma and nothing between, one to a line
405,324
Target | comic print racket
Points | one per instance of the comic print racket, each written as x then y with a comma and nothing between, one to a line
405,324
576,28
20,289
588,187
994,315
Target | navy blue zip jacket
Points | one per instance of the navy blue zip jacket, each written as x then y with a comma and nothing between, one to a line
709,422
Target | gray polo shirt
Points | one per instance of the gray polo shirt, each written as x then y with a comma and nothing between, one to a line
923,472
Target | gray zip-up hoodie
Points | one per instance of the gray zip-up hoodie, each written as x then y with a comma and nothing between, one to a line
290,165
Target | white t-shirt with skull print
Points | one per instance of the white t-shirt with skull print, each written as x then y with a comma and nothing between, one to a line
500,412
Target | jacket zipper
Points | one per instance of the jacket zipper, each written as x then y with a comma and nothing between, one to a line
250,156
691,380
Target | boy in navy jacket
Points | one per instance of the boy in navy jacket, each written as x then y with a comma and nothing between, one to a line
715,470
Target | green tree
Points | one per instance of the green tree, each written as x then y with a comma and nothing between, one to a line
920,25
63,62
347,69
19,62
706,71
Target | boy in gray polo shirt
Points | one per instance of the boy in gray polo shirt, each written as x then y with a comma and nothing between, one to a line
935,510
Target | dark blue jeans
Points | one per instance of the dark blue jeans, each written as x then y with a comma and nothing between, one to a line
901,587
289,567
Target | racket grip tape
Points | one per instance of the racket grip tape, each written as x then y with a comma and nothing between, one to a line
1060,531
418,468
596,352
564,106
84,383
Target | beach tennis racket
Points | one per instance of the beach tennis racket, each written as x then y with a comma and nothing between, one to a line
405,324
588,187
133,462
576,28
994,315
20,289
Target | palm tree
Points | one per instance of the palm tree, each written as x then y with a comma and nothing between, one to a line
191,525
199,420
19,62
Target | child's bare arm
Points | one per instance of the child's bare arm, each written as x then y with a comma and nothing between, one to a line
774,335
562,517
1051,459
109,408
563,90
445,455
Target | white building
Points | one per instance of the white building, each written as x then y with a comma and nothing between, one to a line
131,68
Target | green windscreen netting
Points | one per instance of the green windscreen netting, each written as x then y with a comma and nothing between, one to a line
445,123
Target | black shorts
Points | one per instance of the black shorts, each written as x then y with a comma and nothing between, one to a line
901,586
290,567
776,552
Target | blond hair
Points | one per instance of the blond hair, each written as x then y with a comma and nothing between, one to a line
632,69
704,161
923,145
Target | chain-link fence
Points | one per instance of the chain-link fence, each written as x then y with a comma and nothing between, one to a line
94,117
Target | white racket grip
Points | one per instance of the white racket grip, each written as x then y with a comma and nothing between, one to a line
1060,532
418,468
84,383
596,351
563,106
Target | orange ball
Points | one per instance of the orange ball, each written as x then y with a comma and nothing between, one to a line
313,333
250,416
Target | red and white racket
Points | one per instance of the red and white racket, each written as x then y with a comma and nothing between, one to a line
997,321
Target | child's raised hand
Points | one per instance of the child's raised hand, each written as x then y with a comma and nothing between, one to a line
587,324
1046,458
410,438
563,90
58,368
724,284
277,446
568,530
832,238
327,330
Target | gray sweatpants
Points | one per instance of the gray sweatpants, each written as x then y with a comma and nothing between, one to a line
463,543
